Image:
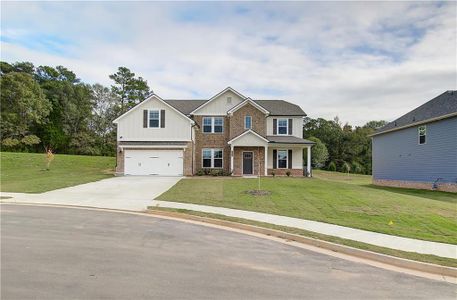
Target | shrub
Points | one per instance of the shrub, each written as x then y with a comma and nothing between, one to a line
217,172
273,173
30,140
200,172
288,173
345,167
332,166
226,173
357,168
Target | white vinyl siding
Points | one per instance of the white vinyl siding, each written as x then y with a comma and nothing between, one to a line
297,125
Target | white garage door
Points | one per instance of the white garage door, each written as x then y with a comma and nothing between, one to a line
153,162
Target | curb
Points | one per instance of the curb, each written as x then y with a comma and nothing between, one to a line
359,253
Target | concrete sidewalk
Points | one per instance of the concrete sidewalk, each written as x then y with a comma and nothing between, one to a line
369,237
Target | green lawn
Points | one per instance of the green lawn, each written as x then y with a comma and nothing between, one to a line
26,172
348,200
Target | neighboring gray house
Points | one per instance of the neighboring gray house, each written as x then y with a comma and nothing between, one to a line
419,149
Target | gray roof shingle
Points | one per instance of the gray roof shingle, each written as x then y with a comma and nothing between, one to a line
275,107
185,106
288,140
442,105
281,108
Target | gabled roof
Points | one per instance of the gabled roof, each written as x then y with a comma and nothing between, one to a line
274,107
152,96
185,106
440,107
281,108
243,103
217,95
249,131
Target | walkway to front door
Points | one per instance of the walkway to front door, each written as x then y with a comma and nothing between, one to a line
247,163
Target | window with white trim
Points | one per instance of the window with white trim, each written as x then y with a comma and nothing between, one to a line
154,119
283,126
207,124
247,122
213,124
282,159
212,158
422,132
218,124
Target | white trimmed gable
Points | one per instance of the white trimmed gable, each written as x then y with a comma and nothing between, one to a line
248,138
219,104
130,125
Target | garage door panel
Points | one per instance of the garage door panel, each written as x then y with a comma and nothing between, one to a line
154,162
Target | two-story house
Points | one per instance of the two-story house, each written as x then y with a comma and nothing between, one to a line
229,131
419,149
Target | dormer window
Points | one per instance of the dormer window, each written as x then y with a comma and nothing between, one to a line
247,122
283,126
422,132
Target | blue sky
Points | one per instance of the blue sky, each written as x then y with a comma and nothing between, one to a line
358,60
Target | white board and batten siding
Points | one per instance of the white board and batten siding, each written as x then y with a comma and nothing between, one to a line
177,126
219,105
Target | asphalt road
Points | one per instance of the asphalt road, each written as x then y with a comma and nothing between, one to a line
65,253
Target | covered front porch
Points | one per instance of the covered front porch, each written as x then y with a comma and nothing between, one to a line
254,155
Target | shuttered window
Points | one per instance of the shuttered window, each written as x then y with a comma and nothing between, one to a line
282,159
283,126
154,119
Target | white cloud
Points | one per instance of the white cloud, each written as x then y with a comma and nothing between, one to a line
360,61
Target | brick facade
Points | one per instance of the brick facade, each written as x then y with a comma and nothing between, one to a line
258,121
259,154
445,187
211,140
282,172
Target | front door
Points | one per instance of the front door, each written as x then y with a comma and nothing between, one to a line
247,163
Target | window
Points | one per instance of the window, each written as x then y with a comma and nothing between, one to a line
154,119
229,100
213,124
218,124
206,158
207,124
422,131
283,126
247,122
282,159
212,158
217,160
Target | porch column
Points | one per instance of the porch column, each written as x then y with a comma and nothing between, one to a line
266,160
231,158
308,163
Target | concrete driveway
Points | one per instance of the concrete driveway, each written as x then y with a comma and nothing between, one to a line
126,192
69,253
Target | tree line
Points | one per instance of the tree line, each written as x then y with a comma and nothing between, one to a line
50,108
339,147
